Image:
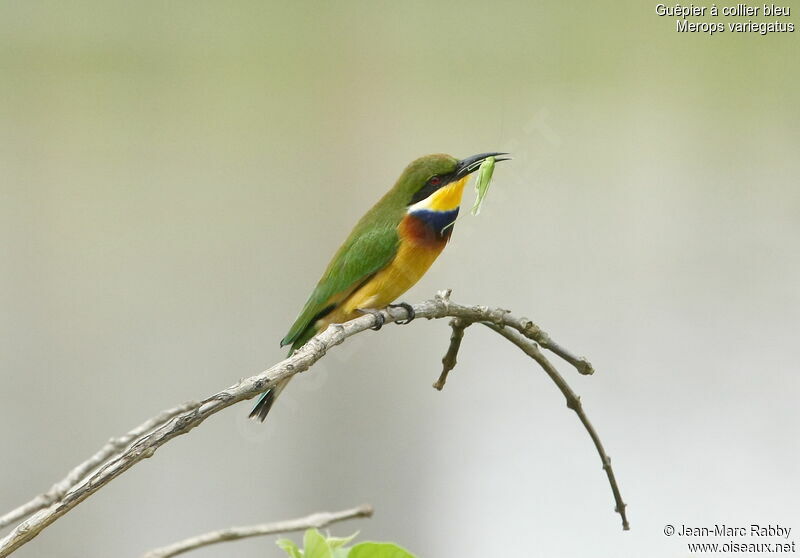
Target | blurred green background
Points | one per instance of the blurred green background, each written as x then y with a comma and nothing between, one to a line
174,176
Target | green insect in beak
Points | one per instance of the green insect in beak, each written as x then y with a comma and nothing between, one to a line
484,177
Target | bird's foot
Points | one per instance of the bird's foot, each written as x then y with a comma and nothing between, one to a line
379,318
409,310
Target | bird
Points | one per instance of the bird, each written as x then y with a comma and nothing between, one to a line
388,251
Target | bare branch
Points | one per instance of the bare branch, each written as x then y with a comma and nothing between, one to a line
450,358
112,448
315,520
574,403
145,445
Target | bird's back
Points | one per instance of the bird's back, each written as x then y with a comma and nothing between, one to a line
371,246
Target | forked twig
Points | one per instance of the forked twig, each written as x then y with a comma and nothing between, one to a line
113,447
116,457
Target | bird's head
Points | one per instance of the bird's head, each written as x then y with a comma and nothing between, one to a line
437,181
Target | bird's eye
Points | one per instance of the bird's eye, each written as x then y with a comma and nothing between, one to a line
435,181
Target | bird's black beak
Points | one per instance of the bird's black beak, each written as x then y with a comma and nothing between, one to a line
471,164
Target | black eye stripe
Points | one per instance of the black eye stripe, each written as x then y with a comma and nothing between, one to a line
429,188
423,193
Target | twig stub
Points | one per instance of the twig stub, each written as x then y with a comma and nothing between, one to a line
450,358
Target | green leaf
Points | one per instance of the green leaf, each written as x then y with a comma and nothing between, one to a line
290,547
337,542
315,545
378,550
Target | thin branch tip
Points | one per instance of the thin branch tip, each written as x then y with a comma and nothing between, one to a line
584,366
315,520
531,349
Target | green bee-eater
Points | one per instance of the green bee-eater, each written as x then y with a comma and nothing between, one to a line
388,251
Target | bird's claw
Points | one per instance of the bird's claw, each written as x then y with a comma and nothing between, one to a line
409,310
379,317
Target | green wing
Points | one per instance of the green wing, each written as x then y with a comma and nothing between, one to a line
369,248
